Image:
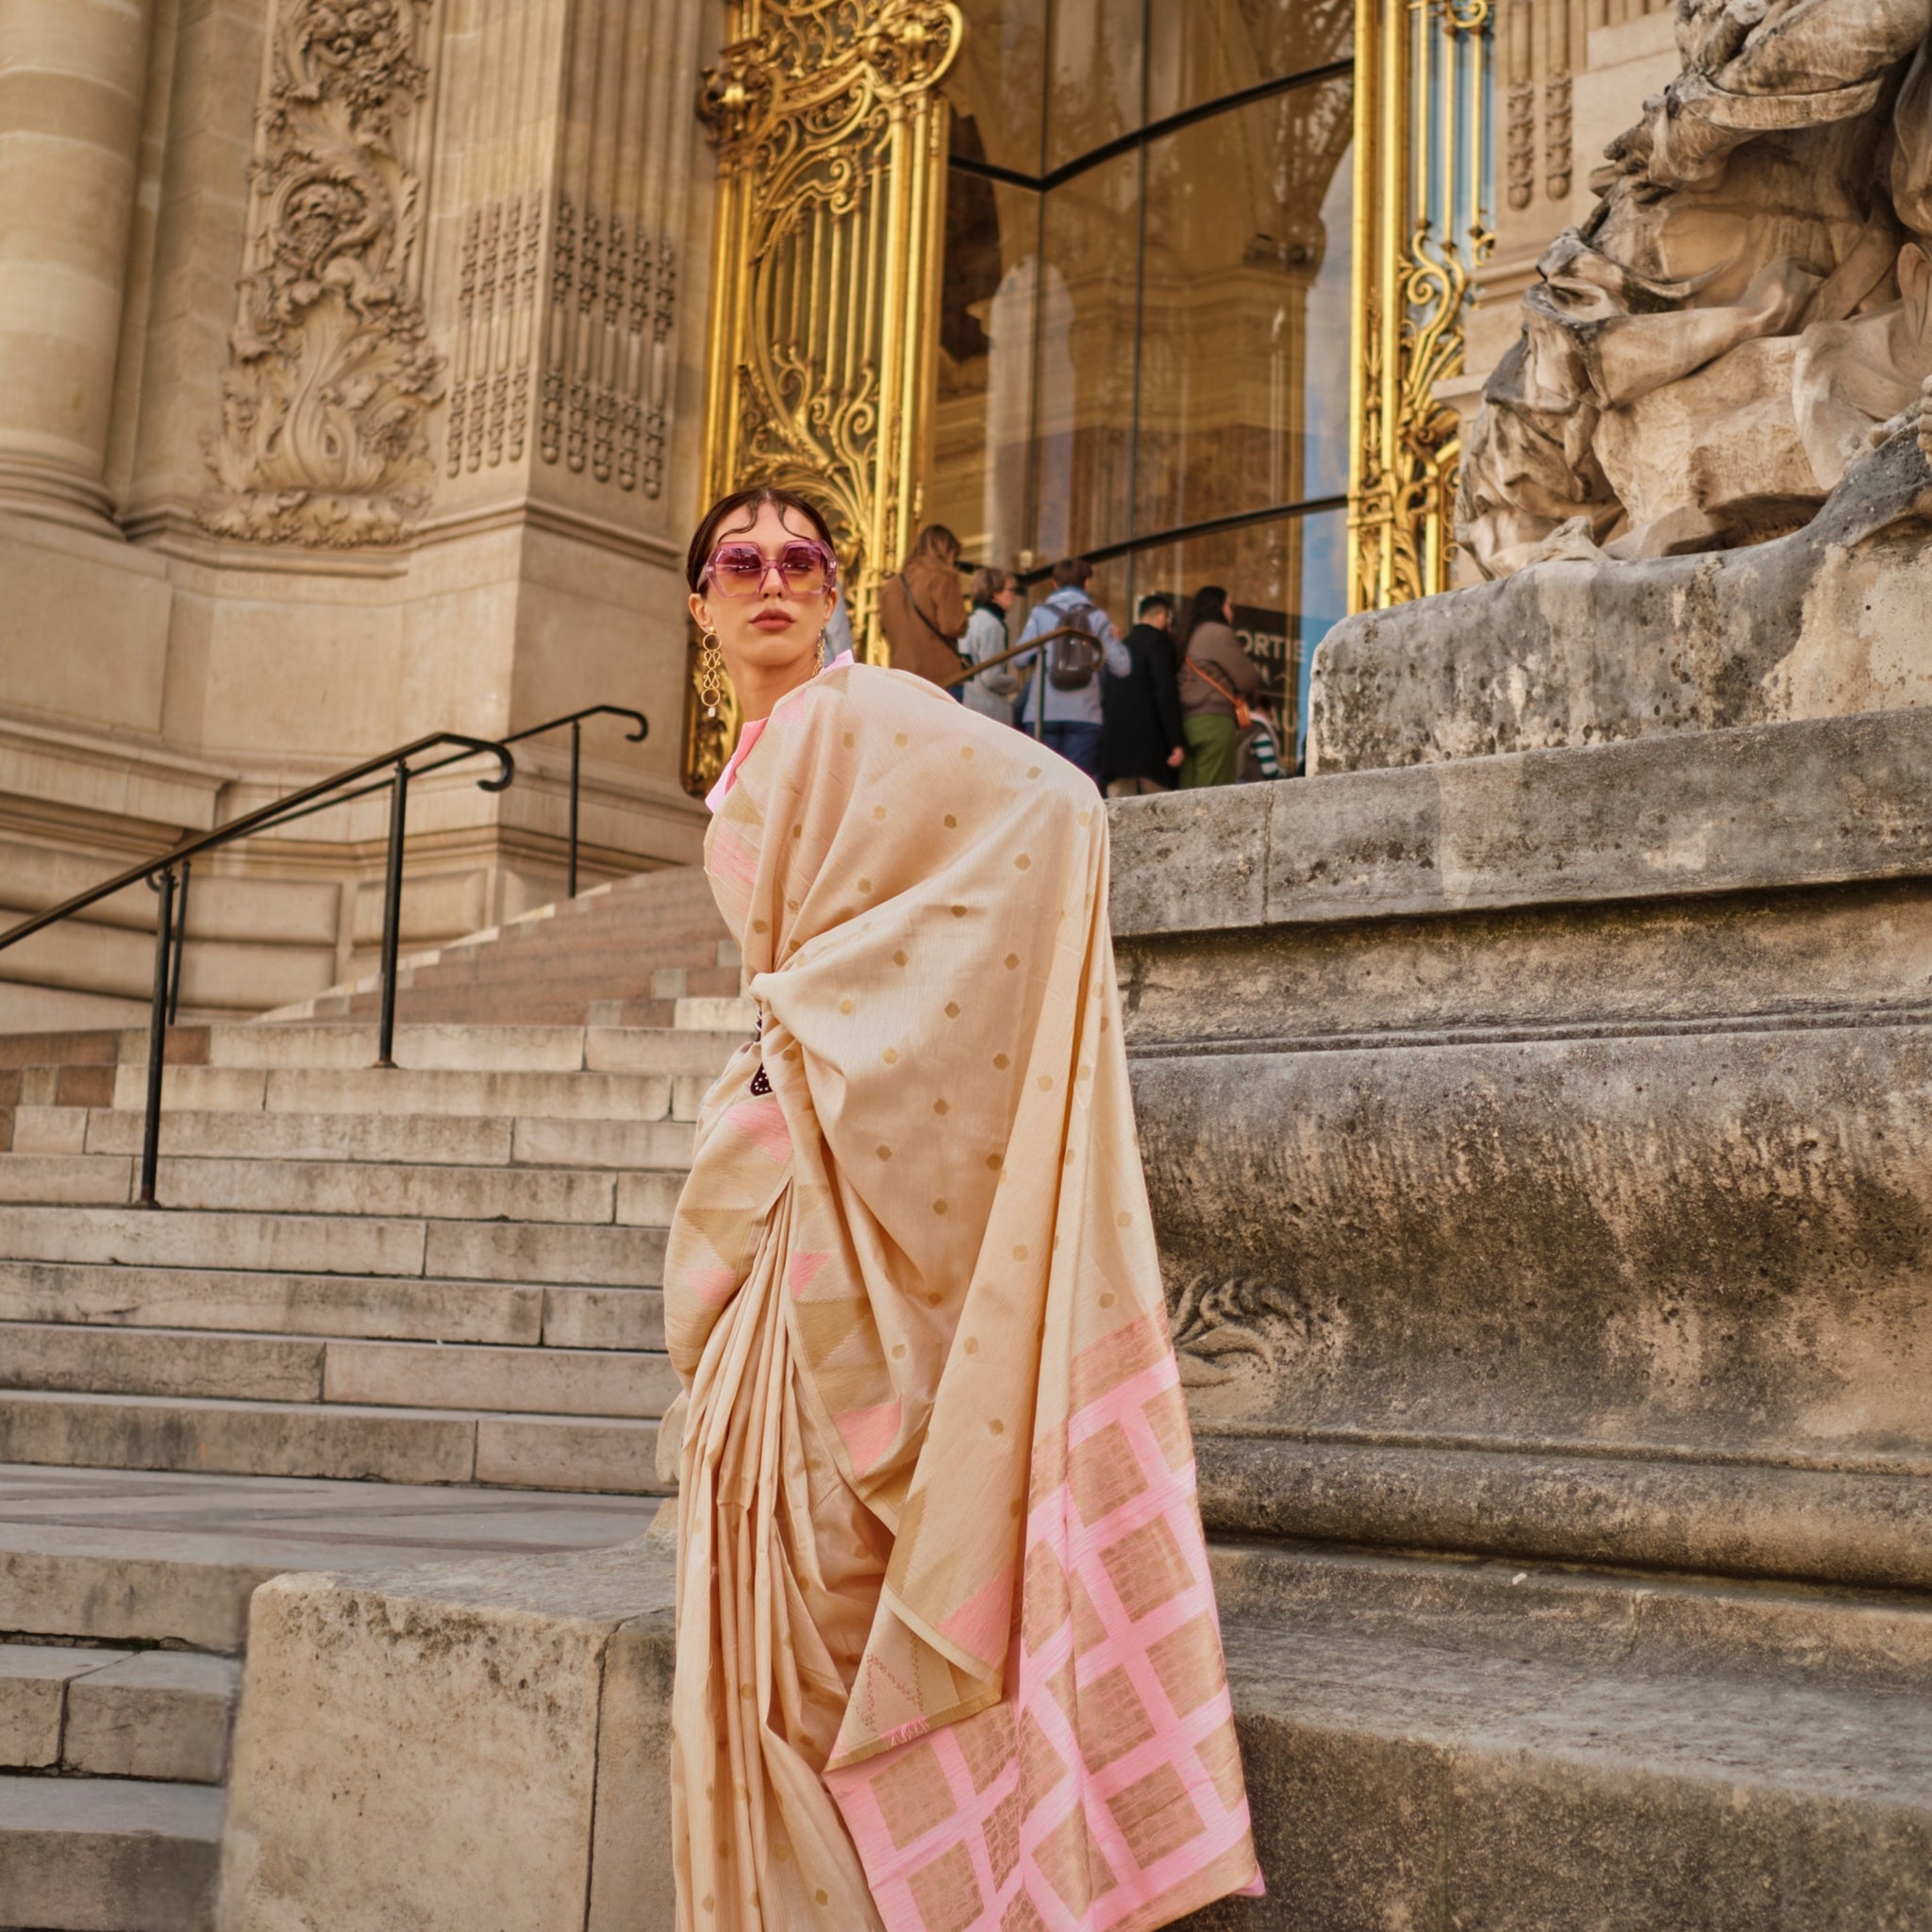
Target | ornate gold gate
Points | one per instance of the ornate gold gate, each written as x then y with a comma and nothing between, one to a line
1423,78
831,135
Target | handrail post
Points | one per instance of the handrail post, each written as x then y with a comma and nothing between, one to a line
392,912
180,946
156,1039
576,754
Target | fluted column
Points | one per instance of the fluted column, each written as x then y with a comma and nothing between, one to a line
72,83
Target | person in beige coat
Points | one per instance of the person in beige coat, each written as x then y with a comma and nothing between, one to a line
1218,678
922,612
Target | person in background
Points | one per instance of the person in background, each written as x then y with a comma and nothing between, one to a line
1217,680
992,693
1072,717
1142,744
922,612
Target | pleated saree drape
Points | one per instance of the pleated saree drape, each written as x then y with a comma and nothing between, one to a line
947,1653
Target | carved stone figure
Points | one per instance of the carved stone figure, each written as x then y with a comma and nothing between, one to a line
1747,308
331,375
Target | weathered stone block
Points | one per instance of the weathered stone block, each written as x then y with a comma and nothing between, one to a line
1824,623
442,1748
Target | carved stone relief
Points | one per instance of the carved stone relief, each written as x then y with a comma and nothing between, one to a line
497,318
331,377
1747,310
614,305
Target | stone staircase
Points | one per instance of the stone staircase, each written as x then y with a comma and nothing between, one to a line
442,1273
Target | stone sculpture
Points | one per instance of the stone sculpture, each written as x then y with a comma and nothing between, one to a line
1747,310
331,375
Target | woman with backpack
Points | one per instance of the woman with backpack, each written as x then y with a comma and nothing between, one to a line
1218,681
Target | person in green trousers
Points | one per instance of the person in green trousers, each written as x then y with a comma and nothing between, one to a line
1217,675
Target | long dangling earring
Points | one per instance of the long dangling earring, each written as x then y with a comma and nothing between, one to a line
711,673
824,648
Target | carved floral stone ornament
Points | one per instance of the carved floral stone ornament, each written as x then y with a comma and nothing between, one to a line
1746,311
331,376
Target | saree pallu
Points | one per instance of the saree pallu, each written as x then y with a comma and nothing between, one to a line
947,1652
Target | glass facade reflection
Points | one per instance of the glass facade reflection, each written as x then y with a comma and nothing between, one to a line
1144,344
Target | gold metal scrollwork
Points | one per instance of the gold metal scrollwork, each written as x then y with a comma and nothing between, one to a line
1422,223
831,139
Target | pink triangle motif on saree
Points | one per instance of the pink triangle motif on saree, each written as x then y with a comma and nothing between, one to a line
869,1432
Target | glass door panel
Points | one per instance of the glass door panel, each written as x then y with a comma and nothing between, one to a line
1245,342
1096,81
983,427
1204,50
997,87
1082,485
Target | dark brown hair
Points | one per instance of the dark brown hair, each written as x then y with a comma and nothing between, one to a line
936,541
1071,572
753,500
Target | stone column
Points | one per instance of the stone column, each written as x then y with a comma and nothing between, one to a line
73,78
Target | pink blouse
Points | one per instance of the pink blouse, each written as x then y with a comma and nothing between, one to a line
750,736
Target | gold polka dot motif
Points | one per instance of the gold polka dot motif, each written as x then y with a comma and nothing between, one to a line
966,753
941,1107
899,958
885,1151
900,738
971,1344
1001,1061
1022,863
939,1206
951,821
959,913
1013,962
952,1009
890,1055
995,1427
848,1006
878,811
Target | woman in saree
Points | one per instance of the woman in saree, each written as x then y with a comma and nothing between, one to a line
947,1649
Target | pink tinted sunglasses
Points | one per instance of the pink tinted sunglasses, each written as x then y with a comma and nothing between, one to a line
805,566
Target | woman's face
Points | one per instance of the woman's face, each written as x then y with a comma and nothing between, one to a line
776,630
1005,595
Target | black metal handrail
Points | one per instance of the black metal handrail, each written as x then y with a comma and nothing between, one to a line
170,922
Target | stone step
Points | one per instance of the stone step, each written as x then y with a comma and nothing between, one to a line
727,1018
1403,1771
110,1713
108,1855
606,1097
120,1557
369,1307
539,1381
379,1375
447,1048
434,1192
420,1047
441,1140
160,1362
530,1252
339,1441
376,1307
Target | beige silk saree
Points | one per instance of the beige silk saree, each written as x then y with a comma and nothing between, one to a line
947,1651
